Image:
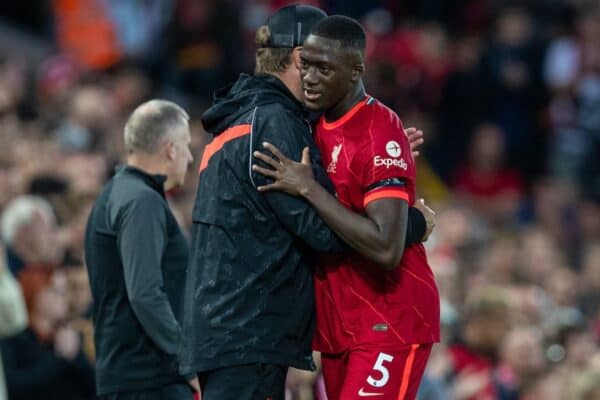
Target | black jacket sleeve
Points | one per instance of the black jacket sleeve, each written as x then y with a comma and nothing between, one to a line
141,239
291,134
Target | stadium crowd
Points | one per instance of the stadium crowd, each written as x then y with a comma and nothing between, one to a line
508,96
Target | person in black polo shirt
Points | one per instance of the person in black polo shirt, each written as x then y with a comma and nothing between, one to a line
137,257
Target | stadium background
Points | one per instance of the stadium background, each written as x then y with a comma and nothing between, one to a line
508,94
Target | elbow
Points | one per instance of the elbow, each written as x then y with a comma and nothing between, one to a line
389,259
138,302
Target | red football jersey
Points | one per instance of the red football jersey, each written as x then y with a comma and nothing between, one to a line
358,303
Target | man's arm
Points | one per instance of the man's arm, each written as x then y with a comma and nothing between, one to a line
379,236
142,239
291,134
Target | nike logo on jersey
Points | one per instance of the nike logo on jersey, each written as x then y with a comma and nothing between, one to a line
362,393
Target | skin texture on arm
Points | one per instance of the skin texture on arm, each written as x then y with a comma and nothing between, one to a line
379,236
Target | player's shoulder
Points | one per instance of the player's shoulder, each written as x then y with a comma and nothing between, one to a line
382,114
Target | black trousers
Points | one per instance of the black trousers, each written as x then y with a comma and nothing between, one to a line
177,391
244,382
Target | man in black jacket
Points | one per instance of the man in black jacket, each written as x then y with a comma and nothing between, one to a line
249,308
137,257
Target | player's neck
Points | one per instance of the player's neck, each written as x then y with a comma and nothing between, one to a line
355,96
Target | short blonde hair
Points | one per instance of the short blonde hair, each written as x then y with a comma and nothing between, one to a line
270,59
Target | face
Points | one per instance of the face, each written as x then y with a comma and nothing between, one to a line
35,242
179,155
52,305
328,72
524,340
484,332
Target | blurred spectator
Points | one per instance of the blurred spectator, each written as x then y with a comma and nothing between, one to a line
46,359
554,203
485,184
507,95
139,26
512,64
80,23
28,227
90,115
587,385
539,255
486,322
79,298
205,44
516,372
130,87
463,101
589,282
572,72
499,261
13,315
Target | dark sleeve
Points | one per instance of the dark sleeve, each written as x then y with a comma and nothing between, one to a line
33,380
142,239
416,226
291,134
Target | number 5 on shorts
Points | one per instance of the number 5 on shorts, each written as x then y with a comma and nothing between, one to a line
385,374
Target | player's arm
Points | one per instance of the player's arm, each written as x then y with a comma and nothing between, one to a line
290,134
380,235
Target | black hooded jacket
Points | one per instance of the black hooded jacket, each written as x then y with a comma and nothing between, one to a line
249,294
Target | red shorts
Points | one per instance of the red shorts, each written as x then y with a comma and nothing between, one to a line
367,373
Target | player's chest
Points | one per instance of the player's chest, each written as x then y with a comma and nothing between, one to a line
338,159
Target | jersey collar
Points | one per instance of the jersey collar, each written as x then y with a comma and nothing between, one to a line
344,118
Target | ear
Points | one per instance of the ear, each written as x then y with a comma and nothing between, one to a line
169,150
296,56
357,71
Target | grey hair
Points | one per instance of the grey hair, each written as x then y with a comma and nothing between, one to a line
150,122
20,211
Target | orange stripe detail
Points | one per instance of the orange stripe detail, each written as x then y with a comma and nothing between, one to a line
421,316
344,118
217,144
408,271
407,371
384,194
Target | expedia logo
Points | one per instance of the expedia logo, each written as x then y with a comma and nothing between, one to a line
390,162
393,148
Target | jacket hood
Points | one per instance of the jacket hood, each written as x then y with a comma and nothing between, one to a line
239,98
